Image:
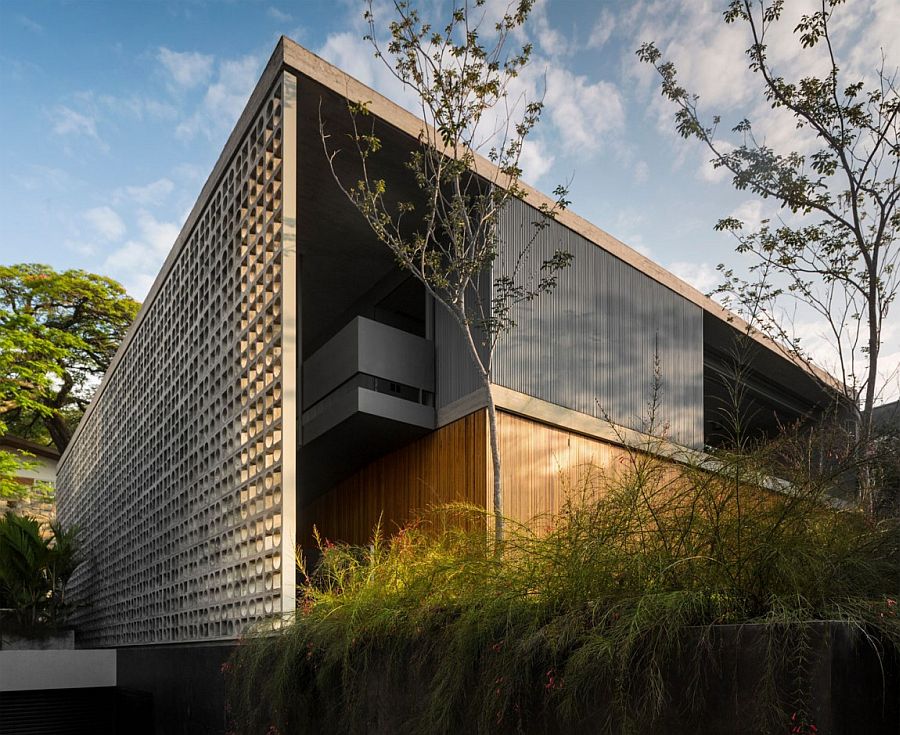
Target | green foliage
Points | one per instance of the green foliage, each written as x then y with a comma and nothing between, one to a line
589,619
837,253
11,465
58,334
34,572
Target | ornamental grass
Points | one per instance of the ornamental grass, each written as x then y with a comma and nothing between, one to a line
590,619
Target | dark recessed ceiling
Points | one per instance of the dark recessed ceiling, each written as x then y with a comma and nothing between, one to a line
340,257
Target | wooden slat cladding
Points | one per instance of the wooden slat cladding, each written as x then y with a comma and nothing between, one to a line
449,465
543,465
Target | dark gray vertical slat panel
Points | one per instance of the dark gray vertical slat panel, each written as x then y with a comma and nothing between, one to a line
590,345
455,375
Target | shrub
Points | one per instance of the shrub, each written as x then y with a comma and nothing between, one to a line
34,571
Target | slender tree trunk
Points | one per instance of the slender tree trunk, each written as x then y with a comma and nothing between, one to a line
484,372
867,476
495,459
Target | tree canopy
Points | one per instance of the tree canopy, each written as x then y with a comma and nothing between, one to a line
58,333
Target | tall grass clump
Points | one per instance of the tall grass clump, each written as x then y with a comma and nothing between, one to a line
607,615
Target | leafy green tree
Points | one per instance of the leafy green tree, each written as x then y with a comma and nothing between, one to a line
836,251
449,238
58,333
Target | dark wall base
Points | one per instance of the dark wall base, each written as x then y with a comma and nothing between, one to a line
185,682
844,687
58,712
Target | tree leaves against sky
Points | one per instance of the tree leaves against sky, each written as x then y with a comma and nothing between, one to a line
58,333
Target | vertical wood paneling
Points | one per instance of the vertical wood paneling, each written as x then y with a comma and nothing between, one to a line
590,345
543,466
449,465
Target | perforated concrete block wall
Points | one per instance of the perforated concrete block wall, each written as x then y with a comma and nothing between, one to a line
181,477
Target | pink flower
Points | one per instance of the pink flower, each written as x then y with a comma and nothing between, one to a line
551,679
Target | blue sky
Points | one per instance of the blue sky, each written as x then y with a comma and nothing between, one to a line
113,113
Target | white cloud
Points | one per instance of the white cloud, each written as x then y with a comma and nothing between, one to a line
711,60
349,52
153,193
814,337
279,15
879,28
702,276
186,69
83,248
30,24
190,172
777,129
641,172
224,99
889,361
535,161
752,213
549,39
627,226
139,107
580,114
138,261
603,29
585,114
35,177
636,243
889,376
708,53
70,122
706,171
106,223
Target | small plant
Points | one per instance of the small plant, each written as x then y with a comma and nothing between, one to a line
34,572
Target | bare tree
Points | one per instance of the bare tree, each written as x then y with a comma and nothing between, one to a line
837,251
449,238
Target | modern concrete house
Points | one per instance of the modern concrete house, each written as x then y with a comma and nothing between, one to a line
284,372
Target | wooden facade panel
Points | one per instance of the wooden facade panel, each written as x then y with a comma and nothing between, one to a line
447,466
543,465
